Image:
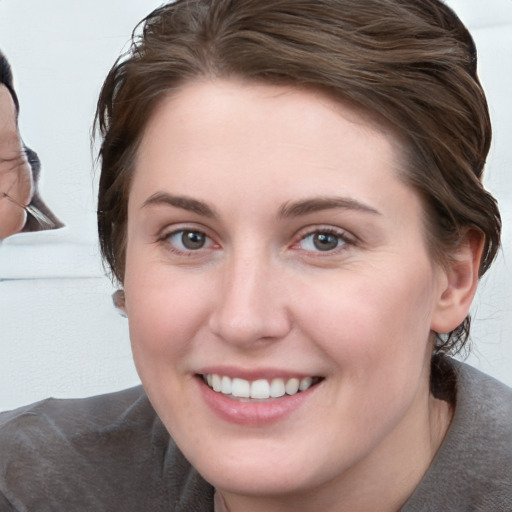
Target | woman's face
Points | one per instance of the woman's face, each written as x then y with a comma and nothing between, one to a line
272,245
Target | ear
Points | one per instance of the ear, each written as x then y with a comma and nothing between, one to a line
458,284
119,300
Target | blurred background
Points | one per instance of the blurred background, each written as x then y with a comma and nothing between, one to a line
60,335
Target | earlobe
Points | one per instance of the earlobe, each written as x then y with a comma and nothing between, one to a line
460,280
119,300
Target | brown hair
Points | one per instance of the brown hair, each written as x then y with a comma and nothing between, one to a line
410,61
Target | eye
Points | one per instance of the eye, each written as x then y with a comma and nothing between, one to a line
186,240
323,241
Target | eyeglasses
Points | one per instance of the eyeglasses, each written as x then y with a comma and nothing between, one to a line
40,217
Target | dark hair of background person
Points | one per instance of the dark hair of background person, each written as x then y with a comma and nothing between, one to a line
32,223
411,63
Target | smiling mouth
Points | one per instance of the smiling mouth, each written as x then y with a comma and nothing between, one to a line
261,389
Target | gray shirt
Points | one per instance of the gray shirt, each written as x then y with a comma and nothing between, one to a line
473,468
112,453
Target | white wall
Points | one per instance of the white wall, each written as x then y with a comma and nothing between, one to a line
59,333
491,25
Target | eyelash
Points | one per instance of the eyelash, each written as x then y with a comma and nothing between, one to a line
166,239
343,239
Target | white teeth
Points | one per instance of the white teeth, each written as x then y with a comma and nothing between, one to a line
216,383
292,386
240,388
258,389
277,388
305,383
225,386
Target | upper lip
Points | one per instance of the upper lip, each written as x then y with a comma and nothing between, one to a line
252,374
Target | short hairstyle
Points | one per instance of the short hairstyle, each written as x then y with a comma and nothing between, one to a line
411,62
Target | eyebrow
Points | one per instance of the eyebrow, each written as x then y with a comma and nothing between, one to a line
294,209
183,202
316,204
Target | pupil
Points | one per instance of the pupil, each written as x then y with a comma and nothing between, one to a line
192,240
325,241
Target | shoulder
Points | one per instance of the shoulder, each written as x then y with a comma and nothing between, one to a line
473,468
101,406
75,420
483,412
109,452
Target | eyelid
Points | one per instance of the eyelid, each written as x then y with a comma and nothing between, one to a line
345,236
170,231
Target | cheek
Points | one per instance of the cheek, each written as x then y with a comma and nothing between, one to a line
378,344
378,321
166,308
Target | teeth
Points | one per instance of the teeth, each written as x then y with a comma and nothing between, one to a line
258,389
292,386
225,386
240,388
277,388
305,383
216,383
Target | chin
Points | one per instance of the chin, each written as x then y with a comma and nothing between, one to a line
258,479
260,467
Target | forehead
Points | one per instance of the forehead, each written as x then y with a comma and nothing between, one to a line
231,130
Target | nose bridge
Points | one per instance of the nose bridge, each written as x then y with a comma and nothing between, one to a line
250,305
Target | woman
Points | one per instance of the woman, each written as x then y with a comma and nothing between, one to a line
291,199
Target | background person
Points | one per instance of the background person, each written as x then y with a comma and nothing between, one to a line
19,169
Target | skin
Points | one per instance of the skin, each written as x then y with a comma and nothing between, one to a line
260,295
15,173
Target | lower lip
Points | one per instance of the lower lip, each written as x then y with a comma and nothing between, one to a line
254,414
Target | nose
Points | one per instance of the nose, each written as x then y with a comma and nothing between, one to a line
251,307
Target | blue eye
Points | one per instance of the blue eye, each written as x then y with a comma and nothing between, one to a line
323,241
187,240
